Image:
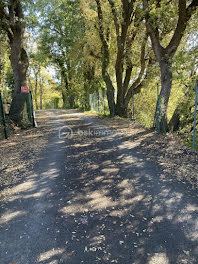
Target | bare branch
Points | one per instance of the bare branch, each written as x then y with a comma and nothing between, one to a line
142,62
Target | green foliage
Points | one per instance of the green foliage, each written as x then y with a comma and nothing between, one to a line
145,104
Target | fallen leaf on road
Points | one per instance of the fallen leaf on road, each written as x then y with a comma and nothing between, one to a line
71,253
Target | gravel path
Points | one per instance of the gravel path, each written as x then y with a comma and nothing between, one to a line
93,196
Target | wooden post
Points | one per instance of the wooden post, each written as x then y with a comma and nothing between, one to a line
29,108
32,110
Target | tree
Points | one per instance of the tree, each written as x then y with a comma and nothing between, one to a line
127,18
185,67
13,23
61,29
159,24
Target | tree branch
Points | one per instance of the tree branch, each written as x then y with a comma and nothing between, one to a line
115,18
105,48
142,62
138,81
153,32
184,15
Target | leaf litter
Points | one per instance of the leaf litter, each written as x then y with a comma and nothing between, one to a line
20,152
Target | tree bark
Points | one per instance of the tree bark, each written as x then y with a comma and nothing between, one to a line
15,27
19,62
68,97
175,120
64,99
166,84
110,93
85,102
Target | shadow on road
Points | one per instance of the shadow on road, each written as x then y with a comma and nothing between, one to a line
98,199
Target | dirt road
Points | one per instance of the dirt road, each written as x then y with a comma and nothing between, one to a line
93,197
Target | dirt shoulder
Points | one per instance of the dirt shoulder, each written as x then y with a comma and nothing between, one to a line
170,153
22,150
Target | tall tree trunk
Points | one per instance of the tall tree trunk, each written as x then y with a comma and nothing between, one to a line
105,61
19,62
166,84
71,101
85,102
174,123
12,22
111,100
70,97
121,109
63,93
64,99
110,90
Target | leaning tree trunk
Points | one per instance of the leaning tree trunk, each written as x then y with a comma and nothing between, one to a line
110,91
174,123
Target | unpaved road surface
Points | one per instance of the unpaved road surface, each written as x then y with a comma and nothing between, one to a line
93,197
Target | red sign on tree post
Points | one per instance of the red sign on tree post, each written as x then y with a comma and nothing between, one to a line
24,89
